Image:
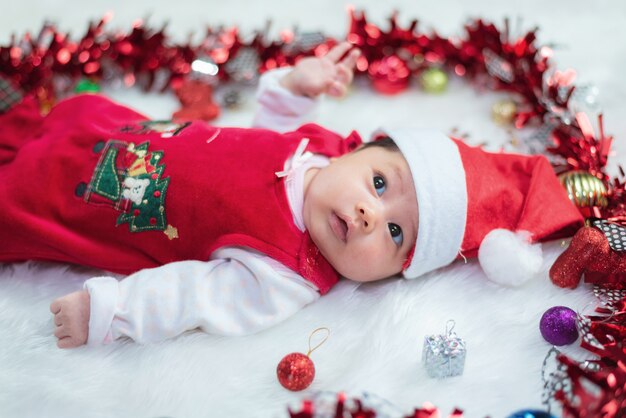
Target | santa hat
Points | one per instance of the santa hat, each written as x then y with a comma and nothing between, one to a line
475,203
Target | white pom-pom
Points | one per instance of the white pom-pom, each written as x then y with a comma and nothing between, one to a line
508,257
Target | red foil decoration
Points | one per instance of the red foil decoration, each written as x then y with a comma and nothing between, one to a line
596,394
295,371
197,102
600,392
389,75
344,409
430,411
589,253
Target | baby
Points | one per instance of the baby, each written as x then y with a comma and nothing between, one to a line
233,230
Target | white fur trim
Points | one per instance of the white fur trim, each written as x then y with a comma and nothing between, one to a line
439,179
509,258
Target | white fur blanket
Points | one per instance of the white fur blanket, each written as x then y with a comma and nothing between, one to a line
377,329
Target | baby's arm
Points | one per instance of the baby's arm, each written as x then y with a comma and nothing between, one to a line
237,293
288,96
313,76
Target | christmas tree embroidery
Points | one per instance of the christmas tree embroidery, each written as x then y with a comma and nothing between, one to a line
130,179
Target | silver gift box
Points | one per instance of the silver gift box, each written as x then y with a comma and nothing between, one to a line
444,355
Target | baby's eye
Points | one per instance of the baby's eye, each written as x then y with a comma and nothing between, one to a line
379,185
396,233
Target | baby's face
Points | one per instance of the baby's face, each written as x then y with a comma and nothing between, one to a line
361,212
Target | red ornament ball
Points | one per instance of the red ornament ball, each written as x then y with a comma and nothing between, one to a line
295,371
390,75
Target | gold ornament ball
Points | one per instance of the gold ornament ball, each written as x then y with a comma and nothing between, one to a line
503,112
584,189
434,80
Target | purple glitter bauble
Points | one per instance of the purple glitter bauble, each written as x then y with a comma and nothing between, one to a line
558,326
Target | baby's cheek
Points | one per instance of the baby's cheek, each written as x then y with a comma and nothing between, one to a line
366,258
369,264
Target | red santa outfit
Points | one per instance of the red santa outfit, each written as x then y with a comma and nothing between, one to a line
132,195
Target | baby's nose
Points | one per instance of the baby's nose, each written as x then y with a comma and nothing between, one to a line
368,215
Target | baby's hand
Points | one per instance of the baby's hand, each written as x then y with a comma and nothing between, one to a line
71,316
313,76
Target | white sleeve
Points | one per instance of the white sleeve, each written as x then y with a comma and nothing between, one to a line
279,109
237,292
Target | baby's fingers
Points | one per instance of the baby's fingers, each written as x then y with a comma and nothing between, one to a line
337,51
55,306
344,74
61,332
337,89
66,342
350,60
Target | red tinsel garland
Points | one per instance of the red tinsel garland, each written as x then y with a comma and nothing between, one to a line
340,405
50,64
596,393
486,56
599,390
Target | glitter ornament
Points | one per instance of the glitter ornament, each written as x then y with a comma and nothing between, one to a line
389,75
558,326
554,378
9,95
585,97
614,233
434,80
530,413
296,371
498,67
590,253
87,86
584,189
303,42
444,355
503,112
244,66
232,99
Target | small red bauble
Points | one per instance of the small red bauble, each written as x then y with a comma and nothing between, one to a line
295,371
390,75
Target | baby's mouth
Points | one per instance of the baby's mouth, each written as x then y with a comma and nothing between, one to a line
339,227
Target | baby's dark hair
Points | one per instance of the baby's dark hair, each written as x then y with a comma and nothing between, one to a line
384,142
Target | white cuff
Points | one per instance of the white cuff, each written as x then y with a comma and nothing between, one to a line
103,294
280,109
